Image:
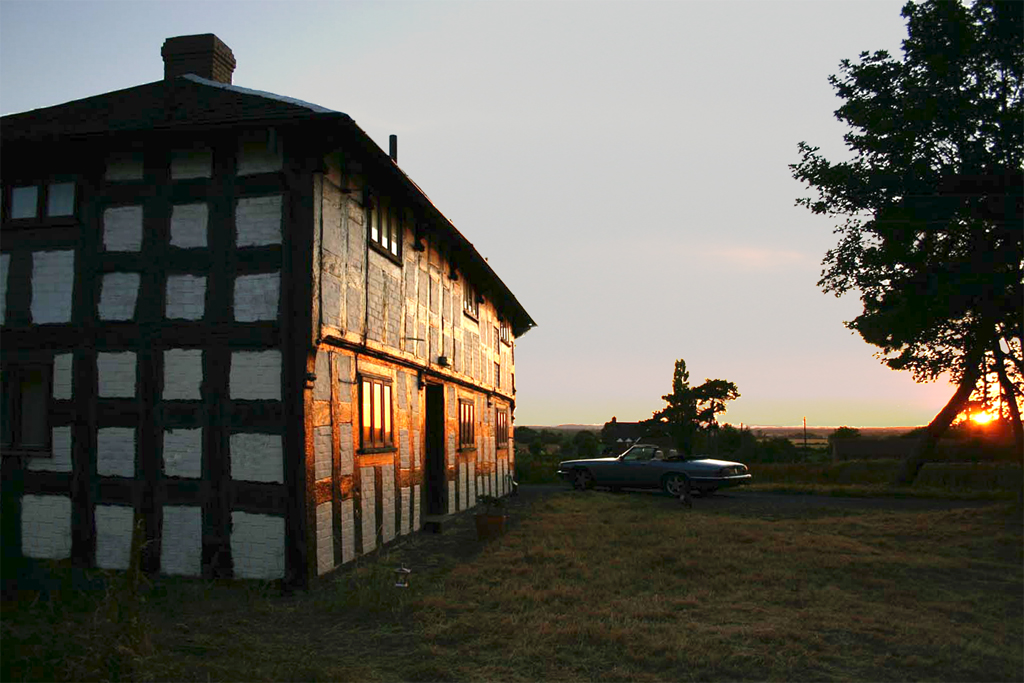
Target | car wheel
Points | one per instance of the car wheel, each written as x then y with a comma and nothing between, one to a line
582,480
674,484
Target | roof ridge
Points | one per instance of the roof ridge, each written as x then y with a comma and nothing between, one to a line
260,93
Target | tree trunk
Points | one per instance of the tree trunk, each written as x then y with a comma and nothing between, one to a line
925,449
1011,396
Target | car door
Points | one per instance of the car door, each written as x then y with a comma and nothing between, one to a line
635,467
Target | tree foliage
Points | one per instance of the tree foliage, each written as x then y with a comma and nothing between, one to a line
928,207
690,409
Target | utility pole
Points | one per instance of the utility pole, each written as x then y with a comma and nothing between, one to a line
805,435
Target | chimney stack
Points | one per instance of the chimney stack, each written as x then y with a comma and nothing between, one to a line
393,147
203,55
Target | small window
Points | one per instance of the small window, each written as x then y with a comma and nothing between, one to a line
505,333
375,409
467,435
26,407
385,228
497,375
501,428
42,201
470,303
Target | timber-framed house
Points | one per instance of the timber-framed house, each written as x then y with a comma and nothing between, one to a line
231,323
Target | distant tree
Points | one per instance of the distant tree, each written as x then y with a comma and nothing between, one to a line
689,409
929,207
526,435
587,444
844,433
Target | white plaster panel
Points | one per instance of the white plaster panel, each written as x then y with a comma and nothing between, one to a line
186,297
46,526
259,156
451,497
258,221
406,512
387,476
116,374
369,508
257,457
188,225
324,538
122,228
471,494
463,487
345,448
322,452
257,545
114,525
403,447
191,163
5,265
257,296
53,280
183,374
60,446
118,295
183,453
62,382
124,166
348,531
255,375
115,451
181,547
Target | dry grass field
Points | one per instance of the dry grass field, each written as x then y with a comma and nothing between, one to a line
586,586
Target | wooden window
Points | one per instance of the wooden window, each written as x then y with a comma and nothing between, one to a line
51,201
375,414
385,223
505,333
467,433
25,411
501,427
470,304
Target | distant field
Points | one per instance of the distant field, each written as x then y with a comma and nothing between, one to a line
816,432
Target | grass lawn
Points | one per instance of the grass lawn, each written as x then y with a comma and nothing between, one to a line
586,586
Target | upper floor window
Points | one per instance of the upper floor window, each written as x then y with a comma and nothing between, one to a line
25,407
501,428
505,332
385,223
375,413
470,302
53,200
467,433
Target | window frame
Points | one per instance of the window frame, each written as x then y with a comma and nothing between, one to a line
467,424
501,428
11,405
497,375
41,215
505,332
470,300
382,214
376,427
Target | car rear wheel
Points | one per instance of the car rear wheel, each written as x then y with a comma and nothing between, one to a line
675,484
582,480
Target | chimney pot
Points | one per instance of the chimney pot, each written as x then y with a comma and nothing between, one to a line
204,55
393,147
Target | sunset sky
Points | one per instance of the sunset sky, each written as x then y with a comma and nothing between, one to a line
622,165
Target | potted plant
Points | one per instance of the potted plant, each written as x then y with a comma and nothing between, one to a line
491,519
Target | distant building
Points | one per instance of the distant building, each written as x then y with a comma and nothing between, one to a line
229,317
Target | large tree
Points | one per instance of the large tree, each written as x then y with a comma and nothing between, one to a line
690,409
928,206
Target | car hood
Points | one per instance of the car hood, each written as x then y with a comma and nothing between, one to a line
587,461
712,462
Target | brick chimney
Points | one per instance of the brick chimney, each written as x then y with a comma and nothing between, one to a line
203,55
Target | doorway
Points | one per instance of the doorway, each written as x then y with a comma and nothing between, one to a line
437,481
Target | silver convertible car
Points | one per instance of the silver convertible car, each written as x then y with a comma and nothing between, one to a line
649,466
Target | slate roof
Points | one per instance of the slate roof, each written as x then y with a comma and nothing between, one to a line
191,102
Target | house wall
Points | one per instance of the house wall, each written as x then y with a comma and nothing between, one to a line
159,308
392,319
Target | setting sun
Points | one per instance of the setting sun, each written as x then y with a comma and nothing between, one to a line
982,418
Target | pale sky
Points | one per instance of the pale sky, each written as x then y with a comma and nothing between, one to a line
623,166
